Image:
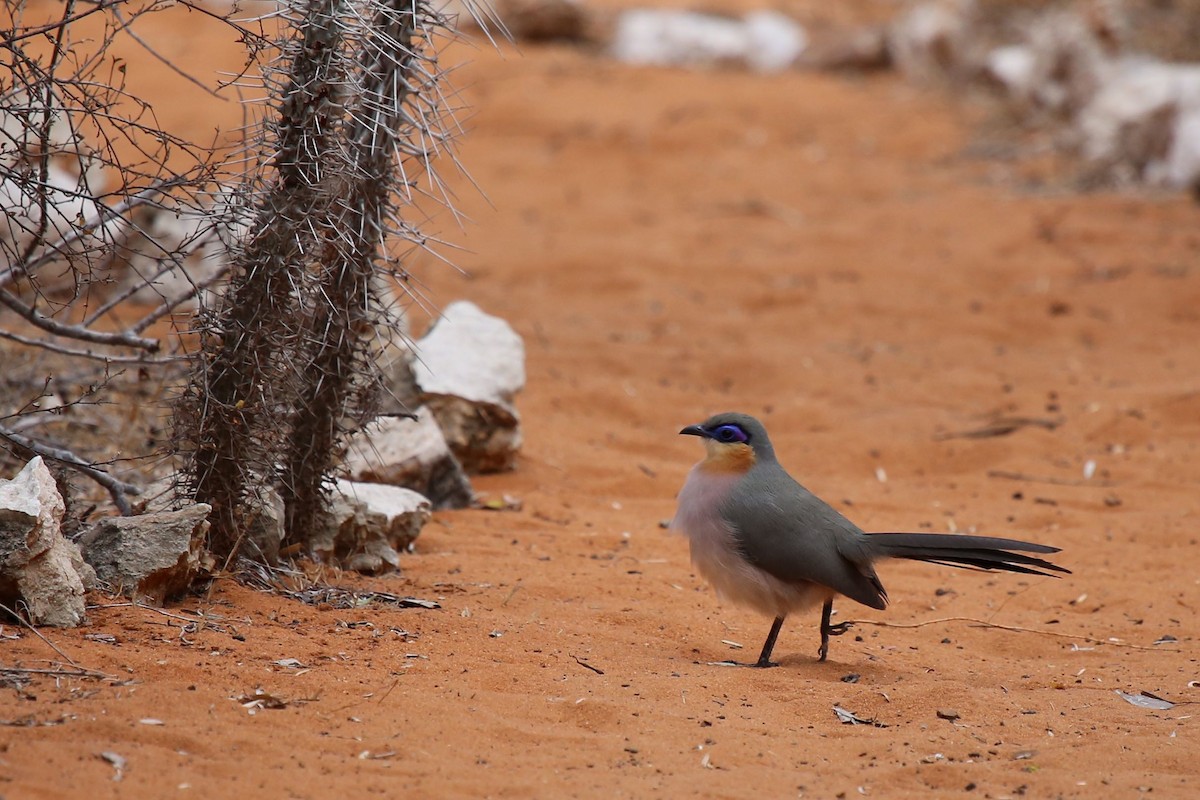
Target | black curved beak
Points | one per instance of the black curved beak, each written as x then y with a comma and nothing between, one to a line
695,430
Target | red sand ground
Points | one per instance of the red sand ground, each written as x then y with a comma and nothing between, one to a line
814,249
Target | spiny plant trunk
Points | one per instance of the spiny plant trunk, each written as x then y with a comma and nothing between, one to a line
339,377
288,363
246,382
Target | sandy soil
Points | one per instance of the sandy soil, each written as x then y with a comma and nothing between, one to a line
824,252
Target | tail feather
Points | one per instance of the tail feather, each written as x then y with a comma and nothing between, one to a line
979,552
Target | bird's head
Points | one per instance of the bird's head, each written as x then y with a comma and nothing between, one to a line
735,442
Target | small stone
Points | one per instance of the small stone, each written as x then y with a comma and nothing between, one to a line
369,525
39,567
470,367
399,513
150,558
947,713
411,453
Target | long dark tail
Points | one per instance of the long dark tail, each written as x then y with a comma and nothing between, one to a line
980,552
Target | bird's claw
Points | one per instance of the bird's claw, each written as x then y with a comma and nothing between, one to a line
840,628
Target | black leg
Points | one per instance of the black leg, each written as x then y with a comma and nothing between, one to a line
764,658
828,630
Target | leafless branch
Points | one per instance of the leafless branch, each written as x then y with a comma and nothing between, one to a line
118,489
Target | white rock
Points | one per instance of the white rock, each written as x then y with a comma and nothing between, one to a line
21,121
152,557
37,565
1182,165
773,41
369,525
472,355
70,205
468,368
932,39
399,513
1132,127
1069,62
666,37
763,40
413,454
264,525
1012,68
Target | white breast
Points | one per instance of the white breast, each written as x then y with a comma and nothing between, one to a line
715,554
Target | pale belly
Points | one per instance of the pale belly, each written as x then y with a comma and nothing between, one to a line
716,558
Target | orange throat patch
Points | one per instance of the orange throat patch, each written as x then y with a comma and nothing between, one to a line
725,458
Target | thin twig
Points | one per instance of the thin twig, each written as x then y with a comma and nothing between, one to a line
1000,426
128,30
38,634
77,672
1022,476
107,358
586,665
979,623
118,489
201,617
31,314
112,214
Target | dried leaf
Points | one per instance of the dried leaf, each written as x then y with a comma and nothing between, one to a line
850,718
106,638
367,754
1145,700
260,699
118,762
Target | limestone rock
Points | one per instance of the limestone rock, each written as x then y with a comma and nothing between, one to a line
37,565
369,525
411,453
765,41
485,437
395,359
1139,123
471,366
150,558
932,40
399,514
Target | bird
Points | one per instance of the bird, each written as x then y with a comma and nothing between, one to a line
764,541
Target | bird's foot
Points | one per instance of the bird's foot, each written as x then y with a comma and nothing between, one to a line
840,628
831,630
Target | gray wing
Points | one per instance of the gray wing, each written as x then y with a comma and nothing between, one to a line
790,533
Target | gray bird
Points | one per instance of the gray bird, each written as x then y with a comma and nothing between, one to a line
763,540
